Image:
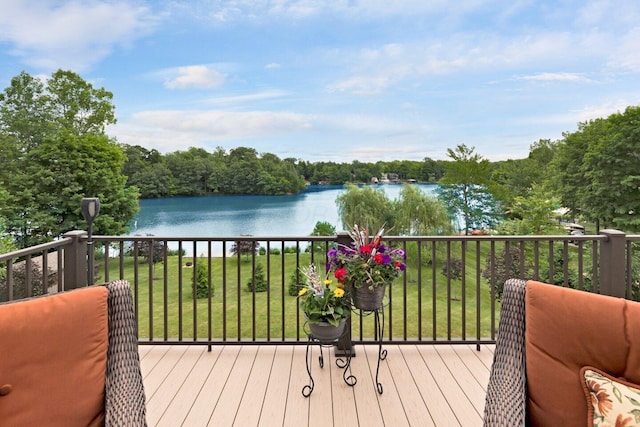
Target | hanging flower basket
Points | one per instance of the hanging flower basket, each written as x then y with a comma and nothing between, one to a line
324,331
368,299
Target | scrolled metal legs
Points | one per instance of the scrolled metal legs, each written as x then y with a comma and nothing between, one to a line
343,363
382,353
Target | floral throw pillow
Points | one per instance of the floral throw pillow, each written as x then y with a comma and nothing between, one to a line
610,401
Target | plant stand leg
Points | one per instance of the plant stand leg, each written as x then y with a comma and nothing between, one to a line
345,365
308,389
382,353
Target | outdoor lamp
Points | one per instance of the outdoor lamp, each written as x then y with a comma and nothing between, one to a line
90,206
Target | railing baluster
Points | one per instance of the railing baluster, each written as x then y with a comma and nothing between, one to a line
463,289
405,316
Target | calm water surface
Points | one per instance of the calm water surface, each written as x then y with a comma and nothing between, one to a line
224,216
216,216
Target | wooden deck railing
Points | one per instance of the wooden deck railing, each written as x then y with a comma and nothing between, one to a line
250,298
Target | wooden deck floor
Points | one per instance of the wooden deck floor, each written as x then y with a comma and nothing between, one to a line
262,386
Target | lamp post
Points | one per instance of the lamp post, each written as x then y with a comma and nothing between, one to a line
90,206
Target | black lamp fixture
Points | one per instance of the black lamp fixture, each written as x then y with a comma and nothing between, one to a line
90,207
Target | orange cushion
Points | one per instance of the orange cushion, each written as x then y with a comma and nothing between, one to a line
54,354
565,330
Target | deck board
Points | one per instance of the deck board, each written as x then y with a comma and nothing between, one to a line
261,385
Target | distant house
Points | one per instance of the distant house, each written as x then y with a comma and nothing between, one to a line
374,179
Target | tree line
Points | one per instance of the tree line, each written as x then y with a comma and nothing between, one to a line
242,170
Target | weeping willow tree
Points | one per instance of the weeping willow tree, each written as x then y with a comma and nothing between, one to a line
367,207
420,215
412,214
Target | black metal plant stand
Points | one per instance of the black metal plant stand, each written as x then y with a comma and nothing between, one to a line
343,363
378,319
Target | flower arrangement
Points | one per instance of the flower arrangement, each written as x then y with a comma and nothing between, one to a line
366,261
321,299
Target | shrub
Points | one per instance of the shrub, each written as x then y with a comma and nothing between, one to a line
258,283
452,268
245,247
505,266
295,283
201,283
20,288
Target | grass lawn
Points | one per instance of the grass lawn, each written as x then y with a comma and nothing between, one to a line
421,307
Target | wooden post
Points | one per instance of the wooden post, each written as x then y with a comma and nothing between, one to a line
75,260
344,347
612,264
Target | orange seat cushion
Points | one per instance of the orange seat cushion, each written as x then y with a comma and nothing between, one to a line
566,330
53,358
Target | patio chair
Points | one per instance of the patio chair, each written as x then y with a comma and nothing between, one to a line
71,359
550,341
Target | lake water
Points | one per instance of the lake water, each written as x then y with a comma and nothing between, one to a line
224,216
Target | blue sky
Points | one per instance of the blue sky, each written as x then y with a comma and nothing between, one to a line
338,80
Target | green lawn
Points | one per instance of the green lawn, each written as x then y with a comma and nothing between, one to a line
275,313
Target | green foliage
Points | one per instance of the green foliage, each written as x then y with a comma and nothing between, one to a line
420,215
465,189
559,266
245,247
295,283
366,262
506,265
366,207
258,283
55,153
323,300
532,214
149,250
595,170
201,278
322,228
452,269
21,287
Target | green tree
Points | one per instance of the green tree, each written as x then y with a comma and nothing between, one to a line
595,170
420,215
25,112
77,106
532,213
367,207
322,228
53,142
465,189
258,281
59,173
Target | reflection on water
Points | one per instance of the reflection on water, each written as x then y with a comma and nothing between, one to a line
224,216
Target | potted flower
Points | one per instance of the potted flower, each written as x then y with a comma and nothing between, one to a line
367,266
324,305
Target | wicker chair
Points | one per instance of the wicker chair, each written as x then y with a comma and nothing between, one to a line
506,400
124,390
124,398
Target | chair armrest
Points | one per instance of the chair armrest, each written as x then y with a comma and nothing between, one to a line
125,403
506,401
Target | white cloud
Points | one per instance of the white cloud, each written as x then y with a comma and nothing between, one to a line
565,77
272,66
251,97
194,76
76,35
174,130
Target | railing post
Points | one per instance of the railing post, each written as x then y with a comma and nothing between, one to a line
75,260
612,263
344,346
